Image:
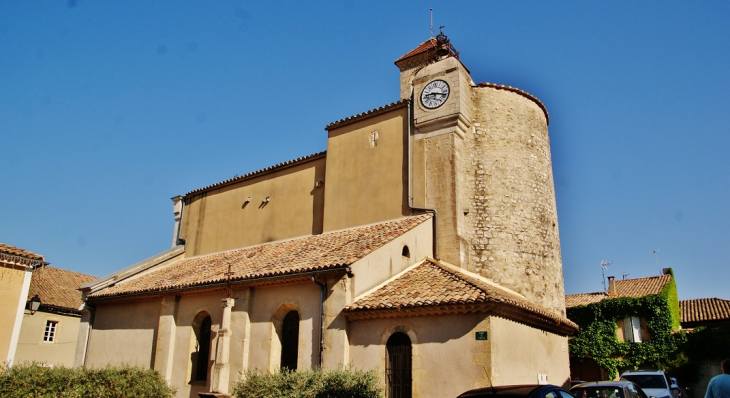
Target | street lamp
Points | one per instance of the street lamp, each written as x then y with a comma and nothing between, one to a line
35,303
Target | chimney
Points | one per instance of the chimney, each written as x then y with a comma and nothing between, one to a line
177,208
612,286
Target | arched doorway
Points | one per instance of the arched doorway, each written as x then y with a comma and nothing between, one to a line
290,341
201,349
398,366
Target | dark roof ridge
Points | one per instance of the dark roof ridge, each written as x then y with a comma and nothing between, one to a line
366,114
275,167
520,92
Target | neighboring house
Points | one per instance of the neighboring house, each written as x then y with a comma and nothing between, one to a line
642,312
16,268
704,312
49,336
423,244
710,317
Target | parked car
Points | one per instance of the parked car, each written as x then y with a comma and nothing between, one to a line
655,383
607,389
518,391
680,393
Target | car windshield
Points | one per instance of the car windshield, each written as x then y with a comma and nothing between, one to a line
647,381
597,392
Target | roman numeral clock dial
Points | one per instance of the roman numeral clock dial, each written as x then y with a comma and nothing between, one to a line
435,94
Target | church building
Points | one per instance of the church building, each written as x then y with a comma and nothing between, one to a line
423,243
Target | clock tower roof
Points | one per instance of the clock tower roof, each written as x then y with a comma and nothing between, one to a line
431,50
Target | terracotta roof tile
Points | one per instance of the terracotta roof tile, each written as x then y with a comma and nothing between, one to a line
258,172
574,300
705,310
16,251
432,283
312,253
422,48
57,287
638,287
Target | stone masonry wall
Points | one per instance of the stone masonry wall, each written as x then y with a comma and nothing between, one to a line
512,224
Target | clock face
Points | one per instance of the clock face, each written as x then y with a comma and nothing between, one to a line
435,94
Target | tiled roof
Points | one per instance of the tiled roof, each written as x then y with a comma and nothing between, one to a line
574,300
422,48
369,113
520,92
258,172
435,287
704,311
57,287
638,287
327,251
16,251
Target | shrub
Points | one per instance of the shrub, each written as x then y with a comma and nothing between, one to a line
310,384
35,380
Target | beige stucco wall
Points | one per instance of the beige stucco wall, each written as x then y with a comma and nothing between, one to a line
31,346
520,353
189,306
124,333
367,183
269,305
255,327
220,219
447,360
11,284
387,261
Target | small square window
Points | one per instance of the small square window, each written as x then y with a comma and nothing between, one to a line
50,334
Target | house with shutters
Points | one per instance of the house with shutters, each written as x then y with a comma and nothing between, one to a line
422,243
641,311
708,320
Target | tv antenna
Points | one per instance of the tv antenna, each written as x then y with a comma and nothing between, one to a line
604,266
432,22
657,261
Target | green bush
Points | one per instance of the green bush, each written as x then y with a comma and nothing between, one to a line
34,380
310,384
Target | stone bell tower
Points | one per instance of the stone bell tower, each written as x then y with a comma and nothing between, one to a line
481,157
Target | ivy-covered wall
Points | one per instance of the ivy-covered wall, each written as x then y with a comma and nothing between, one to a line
597,336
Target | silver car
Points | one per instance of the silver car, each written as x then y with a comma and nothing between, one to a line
655,383
607,389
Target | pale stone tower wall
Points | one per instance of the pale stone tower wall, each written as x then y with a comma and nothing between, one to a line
482,160
512,225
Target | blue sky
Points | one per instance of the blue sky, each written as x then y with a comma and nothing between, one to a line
109,109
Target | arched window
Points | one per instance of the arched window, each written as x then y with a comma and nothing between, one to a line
201,351
406,252
398,366
290,341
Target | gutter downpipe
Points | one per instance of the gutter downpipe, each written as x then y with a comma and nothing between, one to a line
410,196
322,293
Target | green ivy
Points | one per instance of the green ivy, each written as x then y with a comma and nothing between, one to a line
704,343
597,336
